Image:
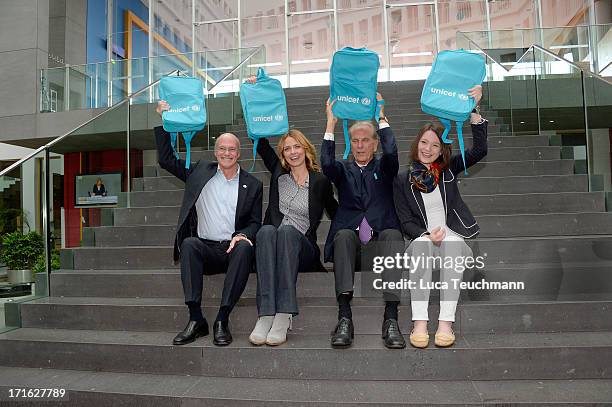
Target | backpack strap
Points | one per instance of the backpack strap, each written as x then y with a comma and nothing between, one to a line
187,136
379,103
447,126
173,138
261,73
461,146
347,139
255,143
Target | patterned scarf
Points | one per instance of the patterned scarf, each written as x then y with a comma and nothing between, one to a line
426,180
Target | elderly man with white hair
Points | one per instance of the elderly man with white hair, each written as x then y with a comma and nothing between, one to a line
218,221
365,218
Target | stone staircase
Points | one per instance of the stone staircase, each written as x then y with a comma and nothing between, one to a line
105,333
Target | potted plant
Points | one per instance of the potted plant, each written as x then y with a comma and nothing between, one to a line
20,253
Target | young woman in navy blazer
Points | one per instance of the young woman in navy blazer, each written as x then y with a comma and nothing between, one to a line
433,215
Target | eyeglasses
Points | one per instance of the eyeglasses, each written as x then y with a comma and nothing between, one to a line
231,150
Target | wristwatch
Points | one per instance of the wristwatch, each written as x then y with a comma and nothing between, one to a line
476,109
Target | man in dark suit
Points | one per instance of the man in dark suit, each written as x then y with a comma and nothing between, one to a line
219,218
365,215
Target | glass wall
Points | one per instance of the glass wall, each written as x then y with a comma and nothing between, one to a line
300,36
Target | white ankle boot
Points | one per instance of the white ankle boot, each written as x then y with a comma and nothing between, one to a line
278,332
260,332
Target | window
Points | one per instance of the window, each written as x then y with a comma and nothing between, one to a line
363,31
377,27
396,22
349,37
413,18
322,41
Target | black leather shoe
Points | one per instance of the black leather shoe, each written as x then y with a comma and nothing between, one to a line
392,335
342,336
221,333
193,330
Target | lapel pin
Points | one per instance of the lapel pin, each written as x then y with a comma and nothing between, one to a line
243,185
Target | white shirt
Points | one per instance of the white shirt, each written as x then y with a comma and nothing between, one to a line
434,209
216,207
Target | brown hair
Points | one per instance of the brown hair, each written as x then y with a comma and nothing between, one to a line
444,159
309,150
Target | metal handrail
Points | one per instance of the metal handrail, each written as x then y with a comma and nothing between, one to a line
143,58
236,67
60,138
544,50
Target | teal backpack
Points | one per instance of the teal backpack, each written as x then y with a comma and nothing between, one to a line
264,108
445,94
353,79
187,114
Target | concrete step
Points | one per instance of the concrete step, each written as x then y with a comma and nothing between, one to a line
467,186
488,169
512,225
524,356
551,269
317,315
96,389
555,249
499,204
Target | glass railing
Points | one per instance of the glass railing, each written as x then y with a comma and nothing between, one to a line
74,190
101,85
543,93
586,45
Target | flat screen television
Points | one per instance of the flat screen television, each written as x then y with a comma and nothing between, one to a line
101,189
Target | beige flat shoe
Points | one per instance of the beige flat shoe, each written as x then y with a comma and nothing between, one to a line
419,340
444,340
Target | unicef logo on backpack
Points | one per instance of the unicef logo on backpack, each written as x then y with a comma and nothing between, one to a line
351,99
279,117
194,108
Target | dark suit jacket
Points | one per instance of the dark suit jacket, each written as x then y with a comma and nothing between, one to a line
320,196
409,202
366,193
249,205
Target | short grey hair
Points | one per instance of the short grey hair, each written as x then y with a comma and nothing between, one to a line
363,125
227,134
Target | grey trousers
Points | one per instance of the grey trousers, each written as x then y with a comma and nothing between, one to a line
348,251
280,255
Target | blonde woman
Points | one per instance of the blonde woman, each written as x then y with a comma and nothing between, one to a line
287,243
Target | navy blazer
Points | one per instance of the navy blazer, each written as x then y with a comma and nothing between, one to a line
250,193
320,197
362,192
409,202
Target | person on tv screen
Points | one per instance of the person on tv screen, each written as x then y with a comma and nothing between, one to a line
98,188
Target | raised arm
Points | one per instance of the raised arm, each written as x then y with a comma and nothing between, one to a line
268,155
332,168
479,140
389,162
479,146
165,155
